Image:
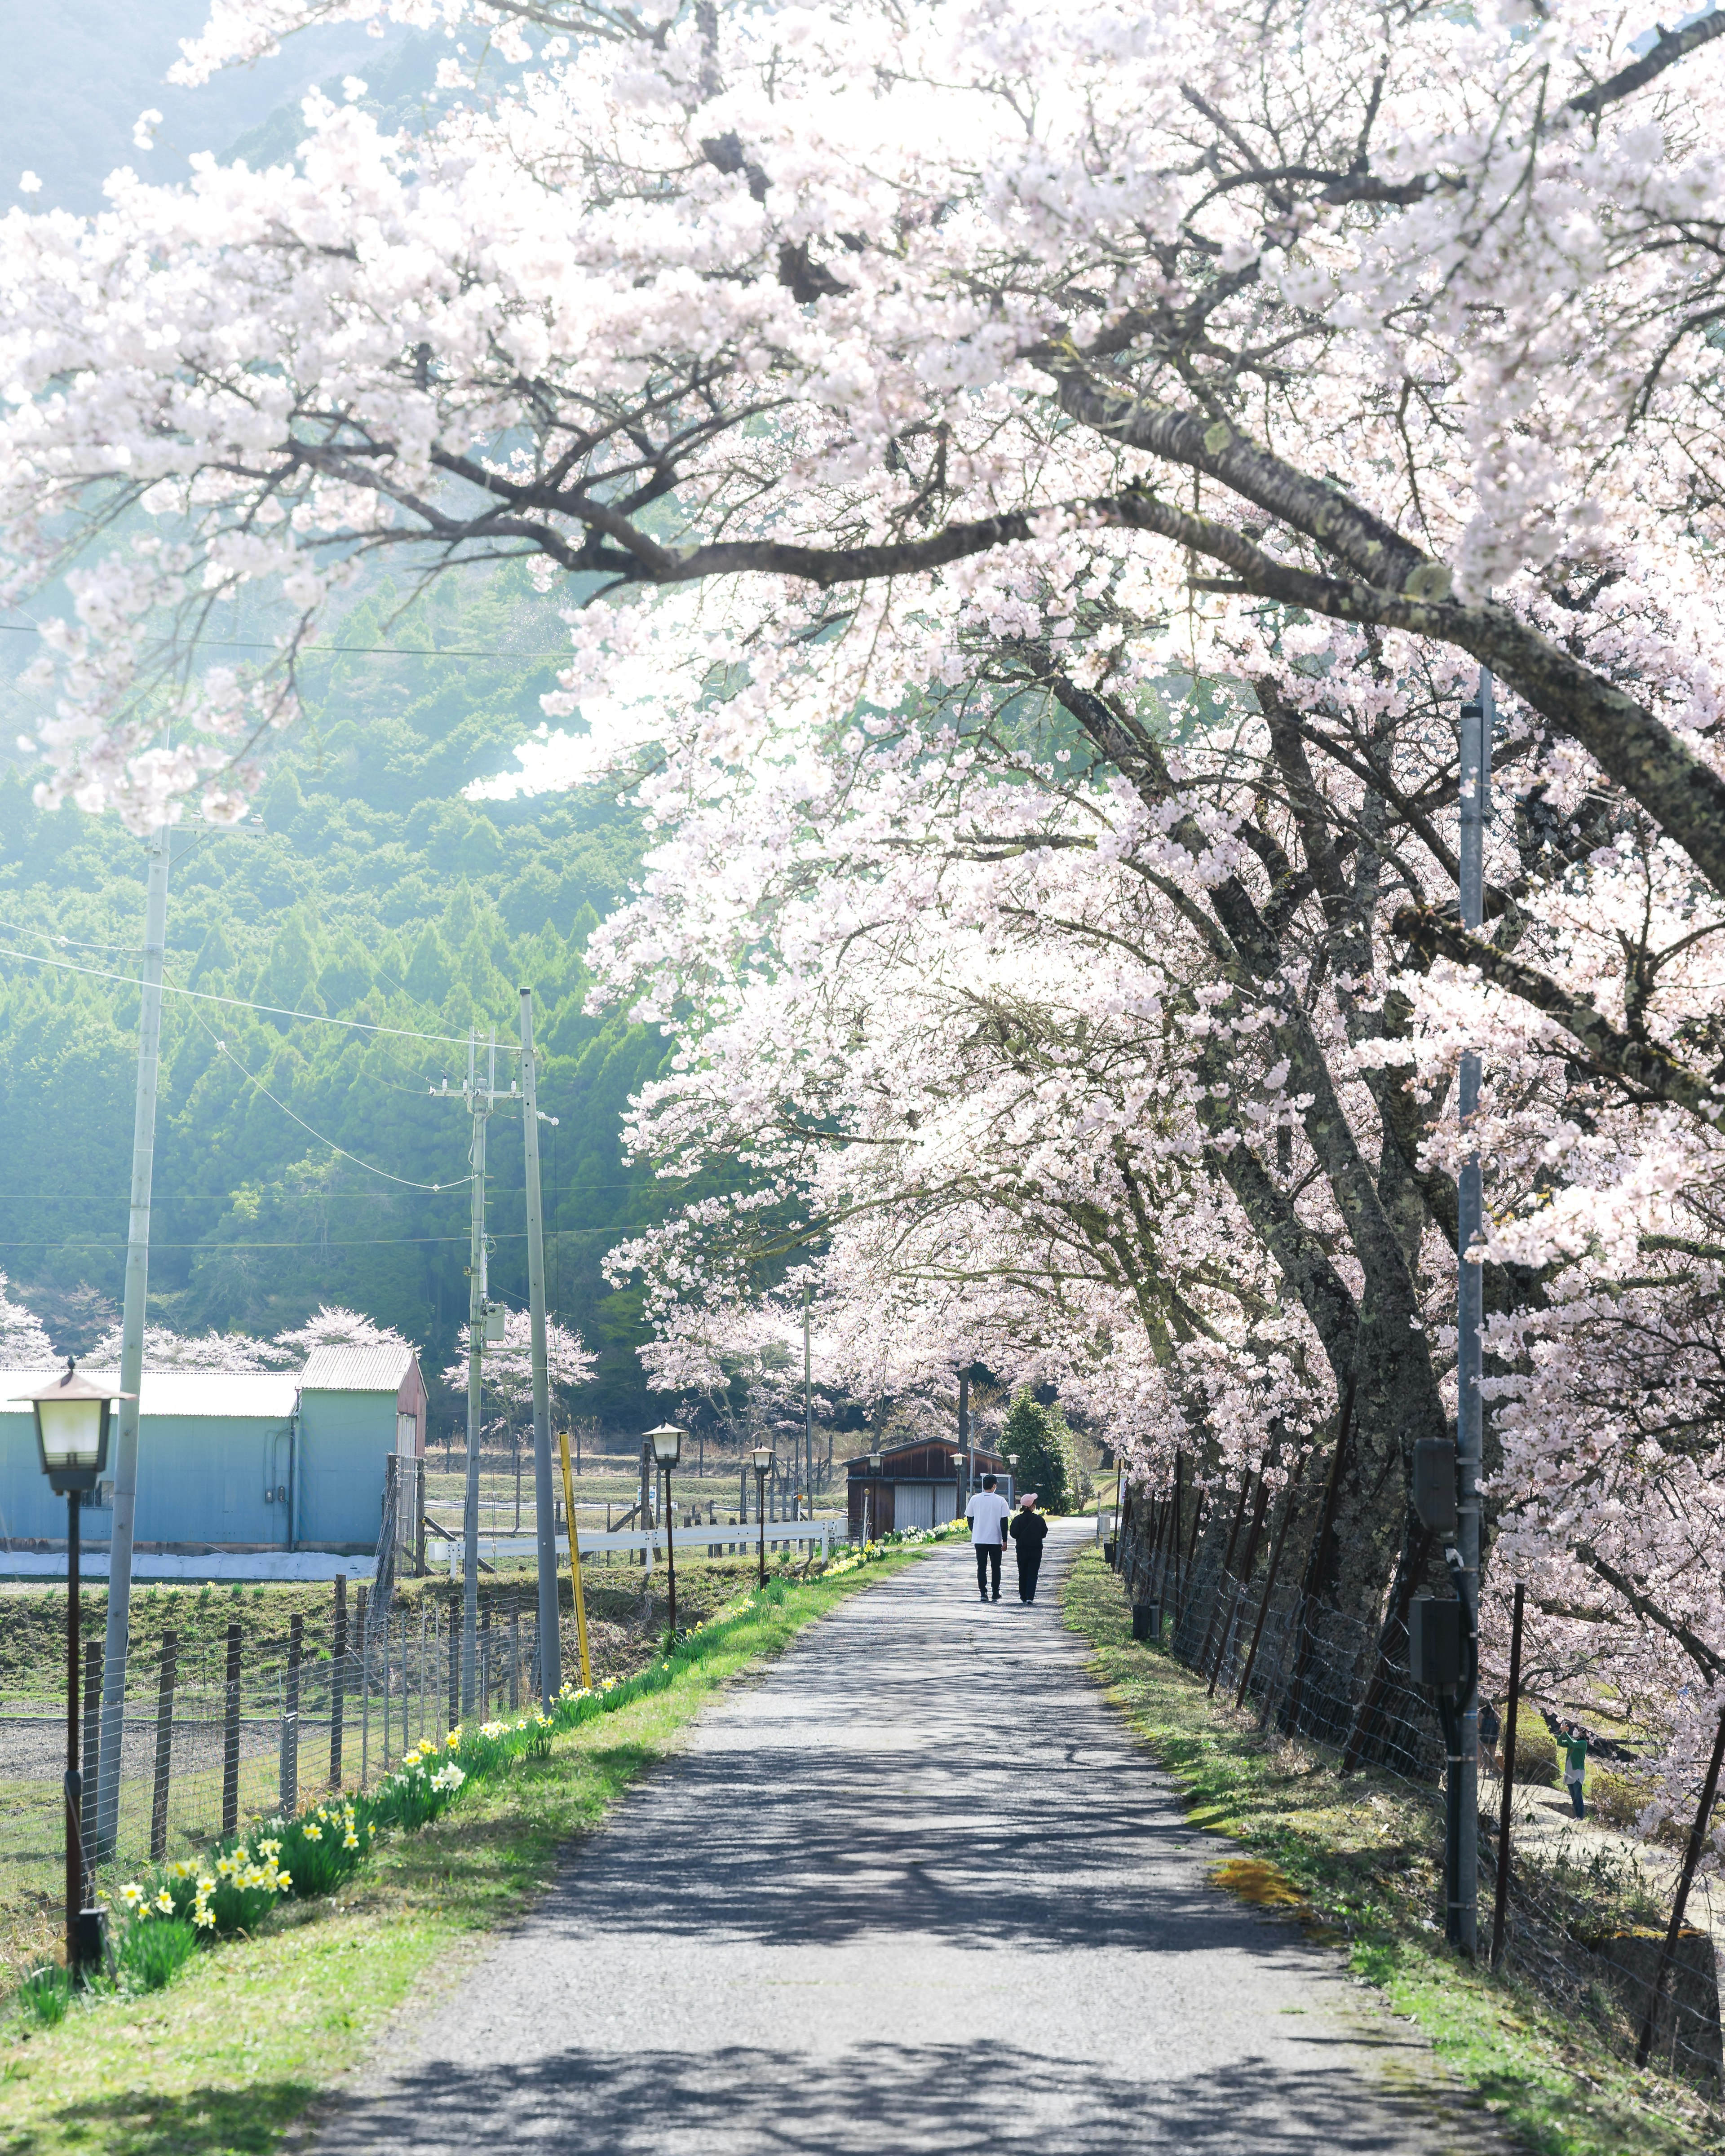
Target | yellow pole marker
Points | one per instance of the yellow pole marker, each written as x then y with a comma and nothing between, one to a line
575,1564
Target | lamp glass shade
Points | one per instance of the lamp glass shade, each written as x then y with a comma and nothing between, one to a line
72,1430
874,1463
667,1443
762,1458
74,1434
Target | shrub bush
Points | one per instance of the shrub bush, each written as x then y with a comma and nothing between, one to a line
1536,1759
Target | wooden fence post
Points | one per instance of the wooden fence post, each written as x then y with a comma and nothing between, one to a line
230,1738
290,1780
1244,1578
1315,1564
1692,1857
1290,1498
1354,1750
1222,1577
164,1746
338,1678
1502,1902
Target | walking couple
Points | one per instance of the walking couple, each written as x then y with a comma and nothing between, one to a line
988,1513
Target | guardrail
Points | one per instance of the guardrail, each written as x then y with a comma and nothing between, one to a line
705,1535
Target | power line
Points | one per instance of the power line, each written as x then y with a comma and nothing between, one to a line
195,1197
406,1181
240,1002
340,650
342,1243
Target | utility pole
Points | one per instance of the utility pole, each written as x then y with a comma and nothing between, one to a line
480,1106
1462,1793
480,1101
108,1762
808,1407
544,1507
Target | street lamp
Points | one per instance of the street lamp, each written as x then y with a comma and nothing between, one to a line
667,1443
72,1441
871,1507
761,1458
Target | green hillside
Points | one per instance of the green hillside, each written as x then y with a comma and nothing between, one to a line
371,891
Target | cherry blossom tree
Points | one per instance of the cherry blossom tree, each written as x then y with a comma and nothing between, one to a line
1031,487
24,1345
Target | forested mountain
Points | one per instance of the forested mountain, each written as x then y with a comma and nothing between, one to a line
366,889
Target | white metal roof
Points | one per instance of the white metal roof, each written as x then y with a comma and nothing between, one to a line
378,1367
261,1395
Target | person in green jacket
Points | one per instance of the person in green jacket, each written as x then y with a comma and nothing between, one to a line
1574,1744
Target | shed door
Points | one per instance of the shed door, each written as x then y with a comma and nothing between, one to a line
407,1436
913,1505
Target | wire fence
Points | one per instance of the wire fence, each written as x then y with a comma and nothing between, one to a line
217,1734
1587,1911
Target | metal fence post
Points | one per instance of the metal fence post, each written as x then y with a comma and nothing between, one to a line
289,1781
360,1598
514,1650
164,1746
230,1738
338,1678
454,1667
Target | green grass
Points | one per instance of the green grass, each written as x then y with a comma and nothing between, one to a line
224,2060
1354,1858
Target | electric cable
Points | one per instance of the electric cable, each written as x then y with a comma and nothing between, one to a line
241,1003
407,1181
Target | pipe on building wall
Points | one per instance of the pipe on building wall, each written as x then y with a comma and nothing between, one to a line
293,1486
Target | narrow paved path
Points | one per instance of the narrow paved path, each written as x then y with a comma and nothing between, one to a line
916,1889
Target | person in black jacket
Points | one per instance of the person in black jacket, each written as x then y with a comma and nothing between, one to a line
1028,1531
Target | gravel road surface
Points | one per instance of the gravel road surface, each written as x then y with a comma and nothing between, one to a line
915,1889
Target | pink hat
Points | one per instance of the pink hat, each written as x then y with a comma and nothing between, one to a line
1027,1500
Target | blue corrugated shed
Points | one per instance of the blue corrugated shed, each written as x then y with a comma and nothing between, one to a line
243,1460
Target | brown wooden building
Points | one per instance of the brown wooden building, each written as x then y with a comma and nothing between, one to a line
917,1485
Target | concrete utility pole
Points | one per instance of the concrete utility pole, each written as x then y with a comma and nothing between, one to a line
1462,1795
808,1407
480,1101
479,1104
544,1508
108,1763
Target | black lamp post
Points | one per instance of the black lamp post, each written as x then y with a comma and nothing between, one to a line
871,1510
72,1440
761,1456
667,1443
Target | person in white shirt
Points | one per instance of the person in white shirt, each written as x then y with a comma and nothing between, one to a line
987,1513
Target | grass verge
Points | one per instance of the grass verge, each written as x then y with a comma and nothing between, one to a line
1351,1859
222,2061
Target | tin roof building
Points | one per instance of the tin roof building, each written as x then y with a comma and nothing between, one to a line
917,1485
252,1460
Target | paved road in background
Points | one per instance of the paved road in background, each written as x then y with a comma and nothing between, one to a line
915,1889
